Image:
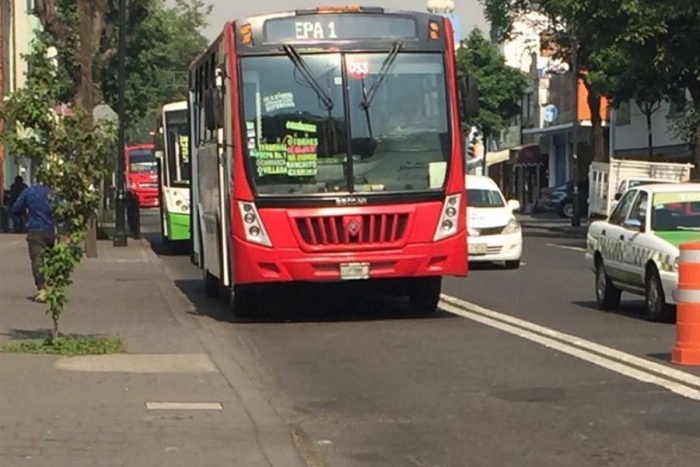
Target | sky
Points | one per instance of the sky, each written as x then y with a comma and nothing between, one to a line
469,11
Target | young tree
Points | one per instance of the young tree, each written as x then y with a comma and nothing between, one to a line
66,157
500,87
625,75
674,27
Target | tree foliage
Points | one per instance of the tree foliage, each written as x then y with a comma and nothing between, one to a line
161,42
66,158
641,50
158,57
500,87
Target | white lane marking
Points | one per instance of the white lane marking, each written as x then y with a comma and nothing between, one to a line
184,406
579,348
566,247
578,342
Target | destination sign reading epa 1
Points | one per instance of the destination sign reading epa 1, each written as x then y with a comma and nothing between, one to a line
338,27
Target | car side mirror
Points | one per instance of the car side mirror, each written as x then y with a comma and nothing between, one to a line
513,204
634,224
618,196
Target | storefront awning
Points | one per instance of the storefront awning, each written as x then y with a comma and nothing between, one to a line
493,158
529,155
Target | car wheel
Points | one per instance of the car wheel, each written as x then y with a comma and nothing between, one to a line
515,264
606,294
567,210
657,309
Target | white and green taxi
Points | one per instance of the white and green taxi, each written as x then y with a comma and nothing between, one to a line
636,249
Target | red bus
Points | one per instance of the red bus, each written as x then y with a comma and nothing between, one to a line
142,174
327,146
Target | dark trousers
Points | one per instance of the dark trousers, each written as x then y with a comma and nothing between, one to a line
37,243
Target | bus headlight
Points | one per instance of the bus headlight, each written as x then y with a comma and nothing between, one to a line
447,226
252,225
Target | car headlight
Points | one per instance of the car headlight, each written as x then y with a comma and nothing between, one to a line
676,263
513,226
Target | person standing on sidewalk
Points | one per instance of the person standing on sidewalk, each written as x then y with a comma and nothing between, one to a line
41,229
15,191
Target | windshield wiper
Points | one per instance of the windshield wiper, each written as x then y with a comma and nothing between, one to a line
301,65
388,61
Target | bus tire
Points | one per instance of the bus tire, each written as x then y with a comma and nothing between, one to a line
211,285
242,302
425,295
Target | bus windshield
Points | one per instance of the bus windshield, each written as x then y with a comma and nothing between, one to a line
142,161
297,138
177,133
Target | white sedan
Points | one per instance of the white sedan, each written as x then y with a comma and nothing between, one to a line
494,234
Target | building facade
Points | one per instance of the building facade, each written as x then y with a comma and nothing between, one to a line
18,31
629,134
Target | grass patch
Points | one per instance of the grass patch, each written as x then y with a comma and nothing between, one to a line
66,345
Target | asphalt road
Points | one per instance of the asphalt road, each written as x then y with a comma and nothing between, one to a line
363,383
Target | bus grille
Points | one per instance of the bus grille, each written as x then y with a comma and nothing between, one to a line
365,229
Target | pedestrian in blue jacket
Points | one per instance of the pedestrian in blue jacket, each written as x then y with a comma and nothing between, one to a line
41,229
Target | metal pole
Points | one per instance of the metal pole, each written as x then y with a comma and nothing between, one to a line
120,229
485,167
576,217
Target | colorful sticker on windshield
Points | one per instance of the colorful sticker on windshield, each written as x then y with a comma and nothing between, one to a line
358,70
669,198
294,156
184,141
281,100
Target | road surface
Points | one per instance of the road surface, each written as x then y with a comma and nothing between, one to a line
363,383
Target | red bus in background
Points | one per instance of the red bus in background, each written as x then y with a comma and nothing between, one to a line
142,174
327,147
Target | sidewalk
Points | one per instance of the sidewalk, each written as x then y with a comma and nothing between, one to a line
553,224
92,411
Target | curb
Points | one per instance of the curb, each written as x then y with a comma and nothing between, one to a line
275,437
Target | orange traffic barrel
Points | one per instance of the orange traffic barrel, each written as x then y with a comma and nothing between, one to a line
686,351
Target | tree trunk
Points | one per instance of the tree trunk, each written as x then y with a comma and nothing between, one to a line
3,20
594,104
650,136
695,140
85,98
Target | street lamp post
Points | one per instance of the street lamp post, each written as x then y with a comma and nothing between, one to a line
120,205
575,196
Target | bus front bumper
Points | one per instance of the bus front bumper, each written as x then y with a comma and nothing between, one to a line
256,264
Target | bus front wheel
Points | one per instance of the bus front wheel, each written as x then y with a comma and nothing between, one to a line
425,295
242,301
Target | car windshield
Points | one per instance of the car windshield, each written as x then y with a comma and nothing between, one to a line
142,161
484,198
676,211
297,138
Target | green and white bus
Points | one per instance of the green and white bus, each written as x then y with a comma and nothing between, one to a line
172,148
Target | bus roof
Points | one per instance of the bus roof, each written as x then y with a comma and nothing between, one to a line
179,105
374,37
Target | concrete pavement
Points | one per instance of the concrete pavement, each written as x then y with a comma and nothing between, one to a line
108,410
365,383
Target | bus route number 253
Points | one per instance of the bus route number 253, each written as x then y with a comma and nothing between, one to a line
315,30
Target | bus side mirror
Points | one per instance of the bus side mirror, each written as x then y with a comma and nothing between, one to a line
158,142
213,108
469,97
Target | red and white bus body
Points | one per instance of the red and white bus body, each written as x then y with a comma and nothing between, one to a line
142,174
276,199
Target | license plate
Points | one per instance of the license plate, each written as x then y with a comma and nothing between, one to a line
354,271
477,248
